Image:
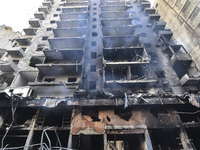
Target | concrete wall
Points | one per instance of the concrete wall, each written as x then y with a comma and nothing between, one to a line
183,18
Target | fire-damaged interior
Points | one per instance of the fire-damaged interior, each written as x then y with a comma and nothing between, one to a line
98,75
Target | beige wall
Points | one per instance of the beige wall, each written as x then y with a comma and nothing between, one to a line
184,22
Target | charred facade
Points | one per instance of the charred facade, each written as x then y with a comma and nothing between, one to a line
98,74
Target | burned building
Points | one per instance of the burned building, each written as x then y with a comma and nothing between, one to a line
97,75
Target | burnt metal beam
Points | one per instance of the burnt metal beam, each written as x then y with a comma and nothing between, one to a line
31,132
105,141
52,102
148,144
69,145
185,141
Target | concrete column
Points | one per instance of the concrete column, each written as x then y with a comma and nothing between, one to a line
148,144
105,141
183,135
185,140
69,145
129,73
31,132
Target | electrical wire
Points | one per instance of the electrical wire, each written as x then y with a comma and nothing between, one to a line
13,116
188,113
58,138
49,141
63,148
19,147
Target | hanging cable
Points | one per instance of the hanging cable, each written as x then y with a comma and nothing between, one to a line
20,147
58,138
13,110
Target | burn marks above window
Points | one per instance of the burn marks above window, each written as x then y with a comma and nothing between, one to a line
49,29
143,34
58,9
94,43
92,85
123,113
71,79
40,47
36,60
160,74
94,26
49,79
55,15
93,68
93,55
147,45
92,112
45,38
94,34
52,21
54,117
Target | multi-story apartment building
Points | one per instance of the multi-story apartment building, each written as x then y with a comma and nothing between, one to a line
99,75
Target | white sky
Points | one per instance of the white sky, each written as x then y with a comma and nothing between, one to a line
16,13
152,2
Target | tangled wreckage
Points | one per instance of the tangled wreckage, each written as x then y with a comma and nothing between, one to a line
99,74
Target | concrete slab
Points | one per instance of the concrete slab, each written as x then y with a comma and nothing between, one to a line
66,16
52,1
75,55
35,23
120,41
22,78
158,26
153,17
77,9
116,22
44,9
112,3
145,5
48,4
8,67
69,32
114,8
118,31
39,15
125,55
76,3
58,71
16,52
66,43
29,31
6,79
116,14
72,23
167,34
189,81
148,11
23,41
